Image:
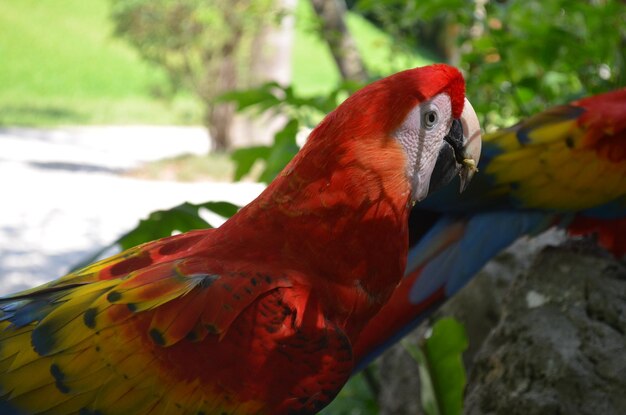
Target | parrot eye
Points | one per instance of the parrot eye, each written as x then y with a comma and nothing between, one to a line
430,119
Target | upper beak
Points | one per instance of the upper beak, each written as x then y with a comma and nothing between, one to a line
460,151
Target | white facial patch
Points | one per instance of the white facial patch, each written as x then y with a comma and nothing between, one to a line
421,134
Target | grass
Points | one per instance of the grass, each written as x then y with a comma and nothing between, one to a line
62,65
53,111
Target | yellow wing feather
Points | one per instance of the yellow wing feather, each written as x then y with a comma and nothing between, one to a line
89,344
544,163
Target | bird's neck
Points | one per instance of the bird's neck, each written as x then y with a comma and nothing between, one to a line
338,213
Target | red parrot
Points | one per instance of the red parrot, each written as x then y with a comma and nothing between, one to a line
563,167
260,315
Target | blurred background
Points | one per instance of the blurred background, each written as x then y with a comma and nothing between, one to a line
166,62
112,109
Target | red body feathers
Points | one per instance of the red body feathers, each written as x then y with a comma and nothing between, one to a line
256,317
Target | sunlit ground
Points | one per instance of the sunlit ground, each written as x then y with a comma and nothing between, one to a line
67,193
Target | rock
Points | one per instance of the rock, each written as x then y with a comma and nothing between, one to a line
560,345
547,330
399,380
477,306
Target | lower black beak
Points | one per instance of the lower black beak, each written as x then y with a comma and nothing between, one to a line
451,157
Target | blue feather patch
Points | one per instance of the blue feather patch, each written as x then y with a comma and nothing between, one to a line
483,237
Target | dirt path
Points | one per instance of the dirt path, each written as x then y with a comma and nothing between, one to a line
63,196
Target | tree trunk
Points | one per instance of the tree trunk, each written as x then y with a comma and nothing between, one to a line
219,117
270,60
335,33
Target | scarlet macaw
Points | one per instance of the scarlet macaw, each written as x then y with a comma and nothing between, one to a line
563,167
257,316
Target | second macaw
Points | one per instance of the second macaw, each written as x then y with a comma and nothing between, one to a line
260,315
563,167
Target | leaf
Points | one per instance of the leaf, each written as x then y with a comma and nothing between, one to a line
224,209
263,96
162,223
427,391
275,157
245,158
355,398
442,373
281,152
287,135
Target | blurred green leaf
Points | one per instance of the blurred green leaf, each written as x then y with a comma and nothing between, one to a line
355,398
224,209
244,99
162,223
442,374
274,158
282,151
300,112
245,158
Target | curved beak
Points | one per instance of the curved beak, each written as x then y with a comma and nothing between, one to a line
460,151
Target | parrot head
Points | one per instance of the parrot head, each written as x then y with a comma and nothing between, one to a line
439,132
424,110
459,152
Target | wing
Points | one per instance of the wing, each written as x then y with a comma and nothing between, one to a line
164,329
563,167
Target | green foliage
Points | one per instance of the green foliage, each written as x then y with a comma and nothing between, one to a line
314,70
205,46
182,218
275,157
162,223
410,23
355,398
190,38
442,374
536,54
300,111
284,99
520,56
